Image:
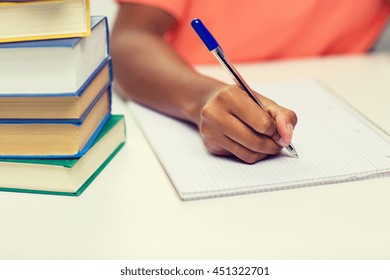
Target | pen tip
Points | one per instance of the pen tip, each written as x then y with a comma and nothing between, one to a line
293,154
292,151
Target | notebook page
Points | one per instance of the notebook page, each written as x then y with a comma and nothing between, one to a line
334,143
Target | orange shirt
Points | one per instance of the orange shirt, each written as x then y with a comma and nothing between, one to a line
253,30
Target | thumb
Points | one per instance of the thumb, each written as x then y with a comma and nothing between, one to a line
285,130
285,122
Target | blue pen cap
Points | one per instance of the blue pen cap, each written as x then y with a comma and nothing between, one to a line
204,34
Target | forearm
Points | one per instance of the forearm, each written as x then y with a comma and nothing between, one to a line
148,71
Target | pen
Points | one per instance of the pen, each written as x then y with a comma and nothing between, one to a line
216,49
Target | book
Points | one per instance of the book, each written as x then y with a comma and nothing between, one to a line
64,176
51,137
43,19
335,144
72,107
53,67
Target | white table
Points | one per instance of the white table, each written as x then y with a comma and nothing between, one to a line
131,211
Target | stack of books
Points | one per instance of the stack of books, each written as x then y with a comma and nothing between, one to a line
56,128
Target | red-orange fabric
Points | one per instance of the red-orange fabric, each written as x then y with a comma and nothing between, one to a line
254,30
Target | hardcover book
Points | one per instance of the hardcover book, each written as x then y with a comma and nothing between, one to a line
43,19
72,107
53,67
64,176
52,137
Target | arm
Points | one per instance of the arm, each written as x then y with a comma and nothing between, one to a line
150,72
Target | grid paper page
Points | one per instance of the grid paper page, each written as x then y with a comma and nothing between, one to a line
334,143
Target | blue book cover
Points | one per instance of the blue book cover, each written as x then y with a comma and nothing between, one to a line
53,138
55,67
58,108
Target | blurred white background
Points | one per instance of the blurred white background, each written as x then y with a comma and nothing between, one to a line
106,8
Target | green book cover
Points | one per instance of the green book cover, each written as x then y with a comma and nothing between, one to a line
107,144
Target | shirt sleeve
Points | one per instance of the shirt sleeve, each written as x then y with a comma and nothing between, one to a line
176,8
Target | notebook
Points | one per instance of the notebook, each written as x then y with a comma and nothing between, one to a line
334,142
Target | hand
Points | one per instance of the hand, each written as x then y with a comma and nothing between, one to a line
231,123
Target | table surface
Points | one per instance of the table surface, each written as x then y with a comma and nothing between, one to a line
131,211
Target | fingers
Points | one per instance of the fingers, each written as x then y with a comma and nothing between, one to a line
285,122
230,136
232,123
238,103
238,131
228,147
